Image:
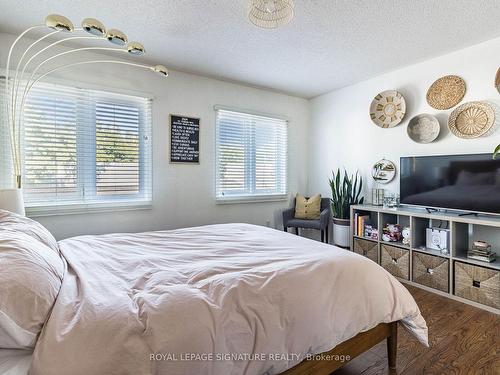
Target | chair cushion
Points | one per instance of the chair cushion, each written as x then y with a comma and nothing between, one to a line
304,223
309,209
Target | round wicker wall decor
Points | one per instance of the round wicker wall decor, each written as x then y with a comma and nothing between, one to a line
471,120
423,128
446,92
388,109
497,80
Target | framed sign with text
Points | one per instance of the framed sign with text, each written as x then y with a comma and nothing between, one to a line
184,139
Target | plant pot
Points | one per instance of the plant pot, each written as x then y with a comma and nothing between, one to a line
341,229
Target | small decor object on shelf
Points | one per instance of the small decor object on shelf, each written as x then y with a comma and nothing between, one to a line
363,227
383,171
446,92
406,233
391,233
391,200
481,250
346,191
378,197
437,239
423,128
388,109
371,232
472,120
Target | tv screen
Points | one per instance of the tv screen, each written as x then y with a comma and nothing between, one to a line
459,182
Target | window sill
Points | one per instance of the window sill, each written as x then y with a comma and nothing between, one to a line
75,209
252,199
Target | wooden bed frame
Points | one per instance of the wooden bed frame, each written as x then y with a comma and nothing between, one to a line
352,348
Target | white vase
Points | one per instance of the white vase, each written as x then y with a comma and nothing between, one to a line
341,229
12,200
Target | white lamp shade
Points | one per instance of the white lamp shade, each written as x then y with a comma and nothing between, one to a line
12,200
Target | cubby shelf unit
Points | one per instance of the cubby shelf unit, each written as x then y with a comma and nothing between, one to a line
463,231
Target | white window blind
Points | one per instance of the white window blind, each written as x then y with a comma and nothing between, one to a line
86,147
251,156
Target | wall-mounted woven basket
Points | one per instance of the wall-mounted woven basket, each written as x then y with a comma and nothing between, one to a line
497,80
446,92
472,120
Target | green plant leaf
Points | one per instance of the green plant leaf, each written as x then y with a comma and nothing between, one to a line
496,152
346,191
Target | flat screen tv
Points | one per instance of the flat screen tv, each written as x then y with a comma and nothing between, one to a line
459,182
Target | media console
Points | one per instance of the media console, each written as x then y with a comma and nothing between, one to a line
453,274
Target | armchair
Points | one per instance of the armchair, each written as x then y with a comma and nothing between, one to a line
321,224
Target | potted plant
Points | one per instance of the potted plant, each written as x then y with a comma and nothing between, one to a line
346,191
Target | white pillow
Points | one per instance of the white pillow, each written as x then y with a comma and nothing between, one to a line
18,223
30,279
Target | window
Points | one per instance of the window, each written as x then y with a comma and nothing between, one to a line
251,156
85,148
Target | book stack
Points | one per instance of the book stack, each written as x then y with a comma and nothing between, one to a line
359,224
363,227
481,251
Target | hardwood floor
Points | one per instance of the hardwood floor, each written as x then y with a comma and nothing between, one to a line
463,340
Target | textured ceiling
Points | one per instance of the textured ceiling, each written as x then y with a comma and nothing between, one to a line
329,44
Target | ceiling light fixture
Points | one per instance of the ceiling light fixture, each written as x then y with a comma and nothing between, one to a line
270,14
94,27
136,48
117,37
58,22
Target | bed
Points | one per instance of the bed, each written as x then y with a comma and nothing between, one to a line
217,299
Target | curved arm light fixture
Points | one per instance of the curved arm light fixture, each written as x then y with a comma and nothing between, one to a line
96,30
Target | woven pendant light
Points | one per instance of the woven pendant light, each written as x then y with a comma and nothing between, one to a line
270,14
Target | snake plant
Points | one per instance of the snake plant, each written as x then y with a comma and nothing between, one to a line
346,191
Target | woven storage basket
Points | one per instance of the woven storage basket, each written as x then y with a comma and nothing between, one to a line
396,261
477,284
366,248
431,271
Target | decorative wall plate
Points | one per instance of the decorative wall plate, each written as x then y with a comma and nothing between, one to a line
446,92
383,171
471,120
423,128
497,80
388,109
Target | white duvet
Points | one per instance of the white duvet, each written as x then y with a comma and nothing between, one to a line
218,299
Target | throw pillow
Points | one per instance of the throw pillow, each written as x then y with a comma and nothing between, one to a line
309,209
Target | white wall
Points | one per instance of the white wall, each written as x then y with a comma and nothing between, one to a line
342,133
184,195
